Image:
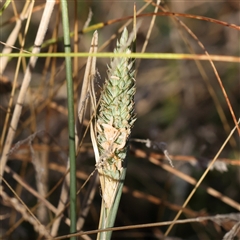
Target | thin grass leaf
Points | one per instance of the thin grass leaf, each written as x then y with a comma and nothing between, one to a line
71,122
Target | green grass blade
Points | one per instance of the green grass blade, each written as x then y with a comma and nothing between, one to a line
71,122
4,6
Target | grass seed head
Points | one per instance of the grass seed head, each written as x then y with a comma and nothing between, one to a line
115,119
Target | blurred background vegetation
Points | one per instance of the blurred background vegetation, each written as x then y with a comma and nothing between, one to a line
173,105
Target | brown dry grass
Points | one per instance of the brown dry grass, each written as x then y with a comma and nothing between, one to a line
179,102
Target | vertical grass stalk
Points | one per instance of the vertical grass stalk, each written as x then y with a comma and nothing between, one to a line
114,123
71,123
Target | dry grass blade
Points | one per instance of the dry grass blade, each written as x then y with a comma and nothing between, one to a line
121,28
11,40
34,192
201,179
149,33
87,80
189,179
18,108
14,34
90,74
61,204
219,219
233,232
209,58
203,73
19,206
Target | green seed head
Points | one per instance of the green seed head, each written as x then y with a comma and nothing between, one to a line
115,120
116,114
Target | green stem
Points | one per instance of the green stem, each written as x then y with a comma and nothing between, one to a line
71,123
112,212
